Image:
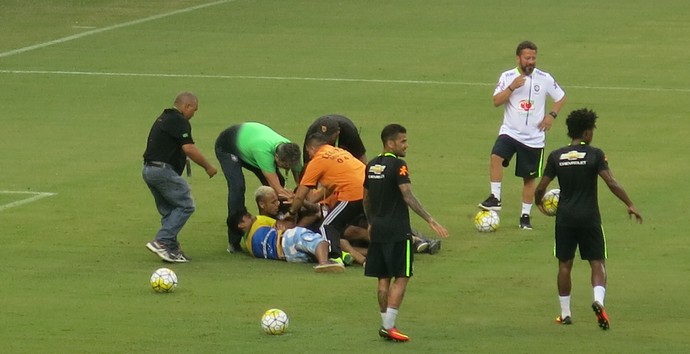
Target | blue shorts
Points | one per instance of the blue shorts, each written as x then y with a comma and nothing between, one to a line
299,244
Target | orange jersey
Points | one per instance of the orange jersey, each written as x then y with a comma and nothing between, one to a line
336,168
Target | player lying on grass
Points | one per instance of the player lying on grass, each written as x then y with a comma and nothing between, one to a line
268,238
309,217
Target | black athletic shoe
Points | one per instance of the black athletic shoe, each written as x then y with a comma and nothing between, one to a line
491,203
525,223
421,246
434,247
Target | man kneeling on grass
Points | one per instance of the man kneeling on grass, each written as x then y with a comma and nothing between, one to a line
265,237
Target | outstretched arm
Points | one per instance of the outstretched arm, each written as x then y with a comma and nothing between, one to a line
618,190
417,207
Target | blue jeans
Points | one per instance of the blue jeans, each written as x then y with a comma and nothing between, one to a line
173,199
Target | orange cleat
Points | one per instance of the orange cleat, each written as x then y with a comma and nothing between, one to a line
602,317
564,321
393,334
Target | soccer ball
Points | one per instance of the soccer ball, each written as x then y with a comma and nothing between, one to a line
550,201
163,280
274,321
486,221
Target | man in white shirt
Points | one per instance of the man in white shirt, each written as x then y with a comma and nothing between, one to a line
522,91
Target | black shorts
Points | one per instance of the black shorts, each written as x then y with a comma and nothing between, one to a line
590,239
390,260
529,160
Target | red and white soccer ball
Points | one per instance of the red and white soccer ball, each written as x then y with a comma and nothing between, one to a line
486,221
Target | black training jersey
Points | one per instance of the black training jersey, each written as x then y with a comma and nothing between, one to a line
169,132
388,213
577,168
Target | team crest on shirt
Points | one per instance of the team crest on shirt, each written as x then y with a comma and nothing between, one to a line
537,88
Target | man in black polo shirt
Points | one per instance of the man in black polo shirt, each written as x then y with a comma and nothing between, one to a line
341,132
168,146
578,221
387,195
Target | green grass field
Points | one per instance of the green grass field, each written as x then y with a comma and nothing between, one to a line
82,81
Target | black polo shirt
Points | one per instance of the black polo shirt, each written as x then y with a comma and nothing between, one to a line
348,139
169,132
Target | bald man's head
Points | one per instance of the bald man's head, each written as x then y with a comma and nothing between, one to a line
187,103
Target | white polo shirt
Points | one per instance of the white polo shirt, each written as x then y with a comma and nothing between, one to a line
525,108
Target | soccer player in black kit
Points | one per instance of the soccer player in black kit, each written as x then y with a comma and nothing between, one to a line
578,222
387,195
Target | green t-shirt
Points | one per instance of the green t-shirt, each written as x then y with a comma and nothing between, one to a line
257,144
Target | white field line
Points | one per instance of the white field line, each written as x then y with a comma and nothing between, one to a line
110,28
293,78
35,196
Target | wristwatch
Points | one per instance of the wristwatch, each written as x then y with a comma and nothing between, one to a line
553,114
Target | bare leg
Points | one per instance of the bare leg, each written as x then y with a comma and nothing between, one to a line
356,233
528,188
564,280
397,292
496,168
598,272
384,285
322,252
354,252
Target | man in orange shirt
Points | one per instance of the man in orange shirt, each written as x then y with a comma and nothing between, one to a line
334,169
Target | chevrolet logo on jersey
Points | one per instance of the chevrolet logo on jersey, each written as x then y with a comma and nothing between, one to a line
573,155
377,169
376,172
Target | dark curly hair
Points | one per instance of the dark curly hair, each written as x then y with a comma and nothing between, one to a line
579,121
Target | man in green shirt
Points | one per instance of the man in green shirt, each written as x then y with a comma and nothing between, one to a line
261,150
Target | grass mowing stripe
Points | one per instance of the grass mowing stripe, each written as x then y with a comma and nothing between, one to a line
385,81
36,196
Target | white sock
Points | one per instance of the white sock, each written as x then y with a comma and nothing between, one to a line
383,317
526,208
496,189
599,294
565,306
389,318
